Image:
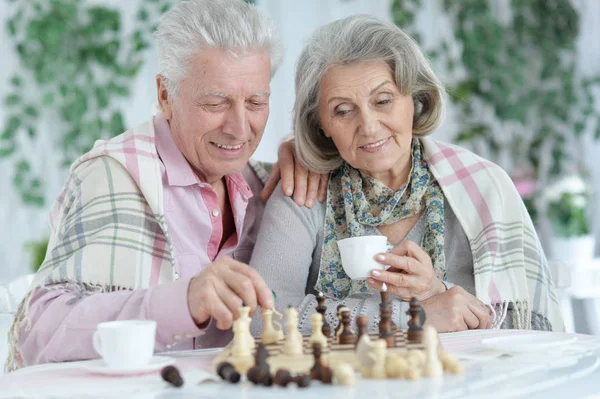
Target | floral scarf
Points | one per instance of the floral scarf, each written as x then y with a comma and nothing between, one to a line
356,201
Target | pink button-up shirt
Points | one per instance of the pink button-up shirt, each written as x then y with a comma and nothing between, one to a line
63,322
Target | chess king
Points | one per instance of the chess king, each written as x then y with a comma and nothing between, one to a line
462,242
159,222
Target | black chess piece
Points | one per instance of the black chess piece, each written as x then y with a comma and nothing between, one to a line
346,336
415,324
171,375
321,308
227,372
260,373
319,371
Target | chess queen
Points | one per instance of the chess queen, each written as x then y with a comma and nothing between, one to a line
462,242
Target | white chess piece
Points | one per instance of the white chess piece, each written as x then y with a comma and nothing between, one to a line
363,348
272,332
317,331
343,374
244,312
241,352
293,339
377,357
433,366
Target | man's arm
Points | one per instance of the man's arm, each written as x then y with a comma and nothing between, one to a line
63,320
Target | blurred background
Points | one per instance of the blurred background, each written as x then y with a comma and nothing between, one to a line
523,79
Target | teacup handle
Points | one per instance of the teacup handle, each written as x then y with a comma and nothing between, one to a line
97,343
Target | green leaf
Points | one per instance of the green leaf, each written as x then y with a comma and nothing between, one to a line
7,151
16,81
12,100
578,128
31,111
48,99
116,125
142,15
597,131
31,131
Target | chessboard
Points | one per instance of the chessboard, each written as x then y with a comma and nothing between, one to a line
335,353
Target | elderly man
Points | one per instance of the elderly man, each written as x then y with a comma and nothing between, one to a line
159,222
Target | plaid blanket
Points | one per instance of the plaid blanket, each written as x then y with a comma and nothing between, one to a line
108,228
510,268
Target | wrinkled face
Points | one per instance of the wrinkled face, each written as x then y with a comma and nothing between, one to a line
366,116
219,114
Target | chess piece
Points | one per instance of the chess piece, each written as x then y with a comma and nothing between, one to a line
272,331
450,363
260,373
343,374
241,352
244,312
293,339
171,375
385,322
363,348
347,336
433,365
338,328
416,358
227,372
322,309
362,326
319,371
376,370
317,336
415,324
396,366
302,380
282,378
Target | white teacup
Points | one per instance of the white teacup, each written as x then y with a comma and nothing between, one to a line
125,344
358,255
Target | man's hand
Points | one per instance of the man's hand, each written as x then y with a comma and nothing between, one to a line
219,290
410,274
456,310
306,187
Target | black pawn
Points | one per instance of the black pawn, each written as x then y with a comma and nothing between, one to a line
227,372
171,375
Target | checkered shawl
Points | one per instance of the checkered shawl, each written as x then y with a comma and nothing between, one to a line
108,228
510,268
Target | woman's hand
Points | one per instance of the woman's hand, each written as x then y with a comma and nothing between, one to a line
456,310
410,274
306,187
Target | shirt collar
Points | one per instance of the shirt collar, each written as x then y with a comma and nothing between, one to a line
178,170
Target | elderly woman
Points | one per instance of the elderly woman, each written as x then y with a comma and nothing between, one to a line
462,241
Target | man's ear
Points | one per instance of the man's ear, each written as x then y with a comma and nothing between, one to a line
164,100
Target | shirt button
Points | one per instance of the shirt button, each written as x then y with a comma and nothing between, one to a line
176,276
177,337
215,212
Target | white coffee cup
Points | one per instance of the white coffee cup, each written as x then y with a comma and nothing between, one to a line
125,344
358,255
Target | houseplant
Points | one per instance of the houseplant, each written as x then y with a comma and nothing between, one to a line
567,202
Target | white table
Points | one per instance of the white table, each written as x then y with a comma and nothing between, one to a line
572,372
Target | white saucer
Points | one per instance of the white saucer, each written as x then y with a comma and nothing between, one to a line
528,342
100,366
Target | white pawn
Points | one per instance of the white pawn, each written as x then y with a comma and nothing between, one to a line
433,366
343,374
272,332
293,339
317,333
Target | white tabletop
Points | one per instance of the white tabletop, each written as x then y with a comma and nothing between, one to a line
571,371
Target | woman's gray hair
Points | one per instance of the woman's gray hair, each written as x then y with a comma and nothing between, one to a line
359,38
191,25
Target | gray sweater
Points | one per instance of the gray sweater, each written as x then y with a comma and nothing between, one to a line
288,254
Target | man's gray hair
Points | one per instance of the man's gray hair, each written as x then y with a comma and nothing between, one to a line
191,25
359,38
